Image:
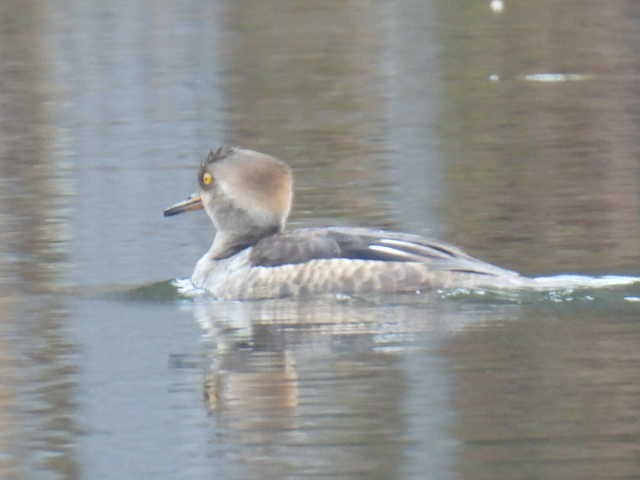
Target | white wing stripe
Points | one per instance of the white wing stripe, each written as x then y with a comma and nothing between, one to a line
418,249
399,243
394,252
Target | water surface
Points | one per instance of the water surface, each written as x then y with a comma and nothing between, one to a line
512,135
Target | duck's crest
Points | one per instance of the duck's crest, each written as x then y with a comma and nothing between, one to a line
219,154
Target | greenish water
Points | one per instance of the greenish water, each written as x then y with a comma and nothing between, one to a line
603,290
511,134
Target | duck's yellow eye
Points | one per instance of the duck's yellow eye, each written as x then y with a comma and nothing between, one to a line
207,178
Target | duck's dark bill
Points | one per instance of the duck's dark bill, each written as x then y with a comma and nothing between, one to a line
192,203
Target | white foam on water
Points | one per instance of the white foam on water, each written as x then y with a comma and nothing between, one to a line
186,289
555,77
559,288
496,6
583,281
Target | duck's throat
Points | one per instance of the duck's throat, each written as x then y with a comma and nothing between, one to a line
225,246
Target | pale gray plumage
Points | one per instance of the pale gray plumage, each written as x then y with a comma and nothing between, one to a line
248,196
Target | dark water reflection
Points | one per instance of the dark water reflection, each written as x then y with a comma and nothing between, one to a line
519,415
512,134
338,390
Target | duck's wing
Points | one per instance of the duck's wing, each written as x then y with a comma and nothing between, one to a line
304,245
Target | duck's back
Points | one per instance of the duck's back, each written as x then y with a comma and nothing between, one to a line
351,261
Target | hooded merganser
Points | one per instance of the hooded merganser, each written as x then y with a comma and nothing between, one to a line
248,197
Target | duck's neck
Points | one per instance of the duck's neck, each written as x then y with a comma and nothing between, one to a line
224,246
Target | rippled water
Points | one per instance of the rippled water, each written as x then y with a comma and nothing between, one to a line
512,133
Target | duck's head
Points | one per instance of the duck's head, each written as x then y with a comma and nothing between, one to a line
246,194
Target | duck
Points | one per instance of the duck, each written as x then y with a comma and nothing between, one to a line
248,196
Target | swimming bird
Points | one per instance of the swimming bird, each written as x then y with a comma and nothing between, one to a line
248,197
